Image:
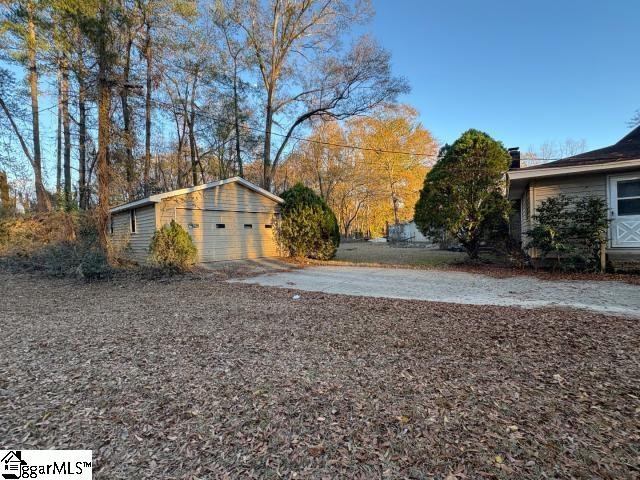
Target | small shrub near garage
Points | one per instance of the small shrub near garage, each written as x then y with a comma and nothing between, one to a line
308,227
172,248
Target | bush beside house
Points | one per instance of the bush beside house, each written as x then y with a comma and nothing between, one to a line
308,227
573,233
172,248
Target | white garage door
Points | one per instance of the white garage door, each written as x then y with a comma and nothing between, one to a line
220,235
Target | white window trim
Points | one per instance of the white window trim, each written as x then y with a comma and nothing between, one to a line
612,204
133,215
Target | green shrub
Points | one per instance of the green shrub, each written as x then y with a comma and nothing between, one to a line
94,265
550,234
574,232
589,227
172,248
308,227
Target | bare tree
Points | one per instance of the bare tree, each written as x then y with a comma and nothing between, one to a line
147,11
304,71
105,59
234,50
552,150
20,22
83,189
66,128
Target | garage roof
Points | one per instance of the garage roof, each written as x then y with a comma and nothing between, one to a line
158,197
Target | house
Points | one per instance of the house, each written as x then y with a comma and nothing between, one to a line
227,220
406,232
612,173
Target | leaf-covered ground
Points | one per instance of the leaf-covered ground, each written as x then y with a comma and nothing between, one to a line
197,378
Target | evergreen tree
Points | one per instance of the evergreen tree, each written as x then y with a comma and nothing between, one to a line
464,190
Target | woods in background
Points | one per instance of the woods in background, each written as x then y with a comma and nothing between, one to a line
370,186
130,97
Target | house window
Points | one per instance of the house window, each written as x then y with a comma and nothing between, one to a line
220,225
132,218
268,225
248,225
629,197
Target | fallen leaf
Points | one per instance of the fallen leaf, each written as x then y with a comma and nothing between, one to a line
316,450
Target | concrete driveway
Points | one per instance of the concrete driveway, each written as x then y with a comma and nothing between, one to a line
459,287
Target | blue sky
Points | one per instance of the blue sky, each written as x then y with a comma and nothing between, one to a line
524,71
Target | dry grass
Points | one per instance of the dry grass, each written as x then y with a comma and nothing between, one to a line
385,255
195,378
388,254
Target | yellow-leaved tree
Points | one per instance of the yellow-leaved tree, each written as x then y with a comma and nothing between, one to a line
370,186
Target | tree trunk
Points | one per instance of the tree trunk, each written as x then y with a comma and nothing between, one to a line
266,173
104,105
59,142
192,140
180,134
191,116
394,202
236,114
64,89
82,143
472,247
5,199
147,112
126,117
42,196
192,149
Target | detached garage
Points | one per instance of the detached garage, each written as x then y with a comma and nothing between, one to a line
228,220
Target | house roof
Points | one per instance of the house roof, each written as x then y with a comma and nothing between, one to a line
628,148
158,197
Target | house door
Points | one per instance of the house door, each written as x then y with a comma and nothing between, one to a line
624,204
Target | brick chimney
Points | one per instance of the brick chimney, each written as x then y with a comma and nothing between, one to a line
515,158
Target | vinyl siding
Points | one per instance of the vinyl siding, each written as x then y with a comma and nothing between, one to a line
515,221
134,245
573,186
228,197
232,205
525,213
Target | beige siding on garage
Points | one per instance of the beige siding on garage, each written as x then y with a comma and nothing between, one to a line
234,241
227,197
234,206
134,245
